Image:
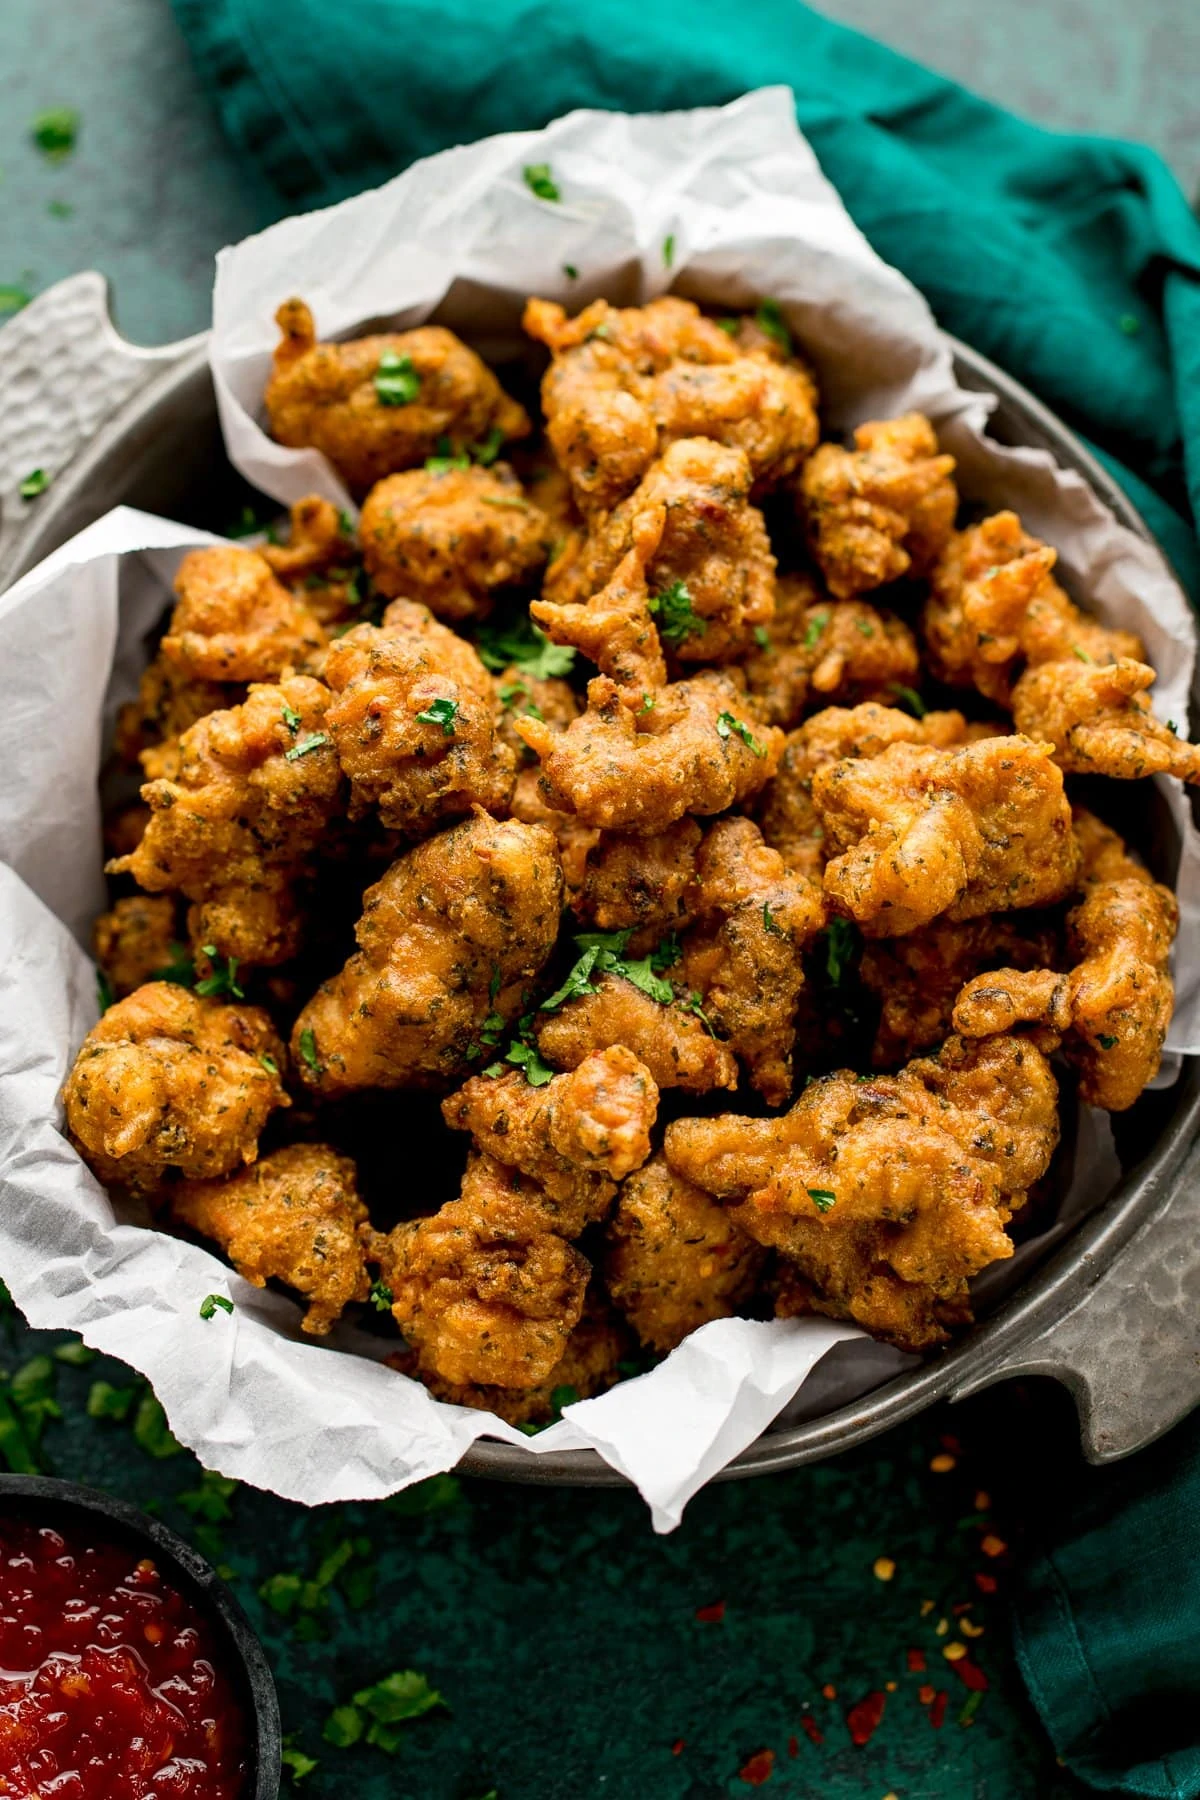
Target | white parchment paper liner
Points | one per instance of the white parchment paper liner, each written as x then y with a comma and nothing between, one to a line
741,195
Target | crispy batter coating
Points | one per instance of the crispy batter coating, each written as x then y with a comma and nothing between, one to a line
626,771
615,629
823,651
150,727
414,722
675,1258
520,695
789,820
881,510
294,1215
754,917
588,1366
577,1136
574,839
673,1044
475,907
167,1081
691,524
918,978
324,396
915,833
135,940
1099,720
1114,1005
320,558
889,1192
640,884
453,538
993,606
484,1291
233,621
626,382
238,831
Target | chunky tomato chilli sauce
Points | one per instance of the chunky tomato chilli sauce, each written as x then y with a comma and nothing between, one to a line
111,1683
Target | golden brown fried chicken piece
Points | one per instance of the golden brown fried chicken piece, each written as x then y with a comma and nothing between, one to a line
697,749
474,909
675,1258
1099,720
639,884
754,917
615,629
484,1291
452,537
167,1081
520,695
696,543
233,621
1114,1005
915,833
820,651
576,1136
327,396
135,941
149,728
294,1216
320,559
890,1192
881,510
918,978
626,382
789,820
674,1045
994,606
238,831
413,720
588,1366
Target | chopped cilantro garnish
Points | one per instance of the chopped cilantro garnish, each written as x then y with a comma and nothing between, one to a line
291,718
151,1432
210,1303
440,712
762,637
54,131
310,744
221,980
105,1401
343,1727
75,1354
728,326
1129,324
486,453
510,500
60,209
180,970
769,317
563,1396
209,1500
308,1053
1173,728
695,1003
772,925
864,627
647,704
381,1296
297,1763
603,953
970,1706
727,725
268,1063
378,1711
1081,654
841,943
523,646
571,272
346,526
822,1198
668,250
667,954
911,699
104,991
13,298
1106,1042
447,459
816,625
525,1056
676,617
396,381
35,483
539,181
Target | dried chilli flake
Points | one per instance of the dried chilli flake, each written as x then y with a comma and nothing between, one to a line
916,1661
863,1719
711,1615
793,1746
937,1712
971,1675
758,1769
811,1729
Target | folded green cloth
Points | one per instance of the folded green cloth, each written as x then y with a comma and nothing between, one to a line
1075,264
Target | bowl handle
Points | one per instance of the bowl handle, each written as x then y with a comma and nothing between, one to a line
1128,1351
64,368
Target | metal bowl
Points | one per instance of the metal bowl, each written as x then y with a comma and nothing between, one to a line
47,1501
1114,1313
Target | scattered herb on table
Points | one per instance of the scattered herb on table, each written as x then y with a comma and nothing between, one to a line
35,483
210,1303
54,131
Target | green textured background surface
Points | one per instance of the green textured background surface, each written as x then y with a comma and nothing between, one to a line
560,1631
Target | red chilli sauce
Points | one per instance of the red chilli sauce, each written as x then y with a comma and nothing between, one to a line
110,1681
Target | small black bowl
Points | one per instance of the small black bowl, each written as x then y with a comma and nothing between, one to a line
45,1501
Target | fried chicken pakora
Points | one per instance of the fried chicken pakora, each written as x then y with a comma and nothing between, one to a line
484,1291
639,884
150,727
675,1258
452,537
376,405
237,832
679,1050
233,621
167,1082
320,559
624,382
615,628
293,1215
819,651
880,511
413,721
576,1137
914,833
450,936
1112,1007
135,941
888,1192
743,956
694,749
1099,721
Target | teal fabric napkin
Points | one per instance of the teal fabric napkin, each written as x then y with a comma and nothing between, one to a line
1075,264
